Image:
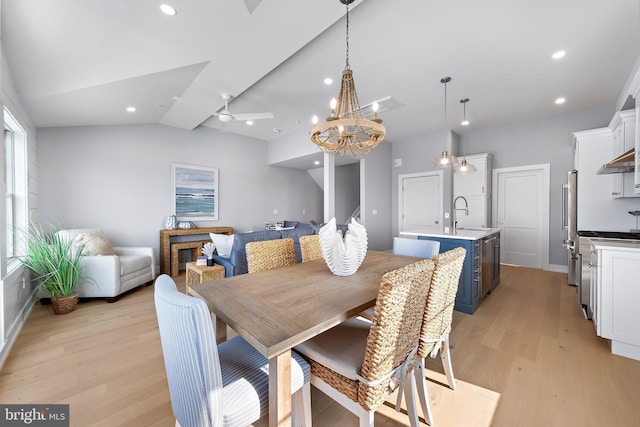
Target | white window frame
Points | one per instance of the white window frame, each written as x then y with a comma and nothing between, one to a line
15,190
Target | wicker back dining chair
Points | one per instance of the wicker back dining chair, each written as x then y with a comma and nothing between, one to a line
389,345
436,324
410,247
268,254
224,385
310,247
415,247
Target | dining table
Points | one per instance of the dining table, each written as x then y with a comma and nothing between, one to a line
275,310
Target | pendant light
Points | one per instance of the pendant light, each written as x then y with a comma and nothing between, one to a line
445,160
463,167
347,129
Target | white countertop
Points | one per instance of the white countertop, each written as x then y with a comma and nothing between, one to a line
462,233
615,244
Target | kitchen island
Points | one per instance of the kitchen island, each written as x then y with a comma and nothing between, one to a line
481,268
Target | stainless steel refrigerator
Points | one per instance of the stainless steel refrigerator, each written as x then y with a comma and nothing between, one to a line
570,224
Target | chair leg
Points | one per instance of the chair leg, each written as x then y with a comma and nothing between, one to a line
409,394
445,356
366,419
421,385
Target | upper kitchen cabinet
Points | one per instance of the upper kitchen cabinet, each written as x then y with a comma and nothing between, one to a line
474,184
623,127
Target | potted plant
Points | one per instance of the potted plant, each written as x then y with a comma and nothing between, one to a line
54,264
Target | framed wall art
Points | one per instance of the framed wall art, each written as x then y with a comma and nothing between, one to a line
194,192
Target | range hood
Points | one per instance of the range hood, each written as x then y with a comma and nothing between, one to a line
624,163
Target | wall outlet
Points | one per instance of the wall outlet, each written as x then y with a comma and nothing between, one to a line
446,215
275,211
374,212
446,229
397,163
304,211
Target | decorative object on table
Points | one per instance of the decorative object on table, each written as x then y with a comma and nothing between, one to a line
208,249
54,264
171,223
343,256
347,128
184,225
194,194
201,260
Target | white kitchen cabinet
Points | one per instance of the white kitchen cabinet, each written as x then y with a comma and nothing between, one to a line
476,188
623,126
615,272
474,184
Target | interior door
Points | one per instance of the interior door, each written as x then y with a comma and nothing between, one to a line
420,201
521,211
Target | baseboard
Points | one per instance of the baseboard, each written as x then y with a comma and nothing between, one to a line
557,268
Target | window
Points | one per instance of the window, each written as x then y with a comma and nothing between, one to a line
15,174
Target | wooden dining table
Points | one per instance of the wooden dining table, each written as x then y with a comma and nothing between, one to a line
277,309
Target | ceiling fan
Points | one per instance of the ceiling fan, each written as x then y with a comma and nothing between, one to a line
225,115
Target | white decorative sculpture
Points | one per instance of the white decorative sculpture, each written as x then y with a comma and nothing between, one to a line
343,256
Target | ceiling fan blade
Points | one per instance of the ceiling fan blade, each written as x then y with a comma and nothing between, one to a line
253,116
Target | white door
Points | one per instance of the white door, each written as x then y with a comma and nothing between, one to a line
521,204
420,201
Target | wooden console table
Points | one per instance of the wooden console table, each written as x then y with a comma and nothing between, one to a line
165,241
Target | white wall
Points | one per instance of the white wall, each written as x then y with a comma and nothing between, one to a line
375,197
524,143
347,191
119,178
15,296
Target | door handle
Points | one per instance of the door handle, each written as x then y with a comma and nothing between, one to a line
437,222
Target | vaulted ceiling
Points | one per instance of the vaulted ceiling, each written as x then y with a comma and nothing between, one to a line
77,63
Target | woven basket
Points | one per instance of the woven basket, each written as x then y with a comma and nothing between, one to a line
63,305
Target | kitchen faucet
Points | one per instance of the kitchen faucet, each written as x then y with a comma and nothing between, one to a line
465,209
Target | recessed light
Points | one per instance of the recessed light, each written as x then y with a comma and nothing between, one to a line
131,109
559,54
328,81
276,130
317,162
168,9
249,122
314,119
560,101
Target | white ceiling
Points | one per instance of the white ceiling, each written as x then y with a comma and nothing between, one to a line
77,63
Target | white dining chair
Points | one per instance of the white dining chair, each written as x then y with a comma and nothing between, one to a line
415,247
225,385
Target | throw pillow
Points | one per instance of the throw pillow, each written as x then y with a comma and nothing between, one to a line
223,243
93,244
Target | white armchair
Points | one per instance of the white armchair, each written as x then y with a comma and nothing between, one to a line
109,276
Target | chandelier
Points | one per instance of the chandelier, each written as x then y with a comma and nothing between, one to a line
347,128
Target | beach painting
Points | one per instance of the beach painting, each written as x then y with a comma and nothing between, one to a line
194,192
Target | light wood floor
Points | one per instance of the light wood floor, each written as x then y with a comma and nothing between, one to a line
527,357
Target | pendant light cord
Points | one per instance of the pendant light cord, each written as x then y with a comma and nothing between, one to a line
347,67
